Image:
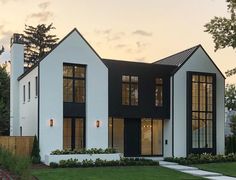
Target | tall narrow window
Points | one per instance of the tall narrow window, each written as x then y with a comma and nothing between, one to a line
116,134
202,111
130,90
74,83
159,92
36,86
28,91
24,94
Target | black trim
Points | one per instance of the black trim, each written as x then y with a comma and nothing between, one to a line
38,100
172,115
189,114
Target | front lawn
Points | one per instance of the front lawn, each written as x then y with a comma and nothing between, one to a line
108,173
228,168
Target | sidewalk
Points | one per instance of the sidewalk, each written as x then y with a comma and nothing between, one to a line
195,171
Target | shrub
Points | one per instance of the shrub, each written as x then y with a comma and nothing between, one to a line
230,144
202,158
16,164
35,156
84,151
101,163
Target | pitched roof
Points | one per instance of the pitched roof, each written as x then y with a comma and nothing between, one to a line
179,58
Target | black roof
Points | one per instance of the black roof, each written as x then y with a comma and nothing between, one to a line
179,58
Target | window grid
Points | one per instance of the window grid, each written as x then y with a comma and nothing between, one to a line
159,92
130,90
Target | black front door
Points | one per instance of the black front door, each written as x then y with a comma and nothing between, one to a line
132,137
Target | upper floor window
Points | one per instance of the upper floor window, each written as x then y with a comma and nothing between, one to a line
36,86
159,92
28,91
24,94
74,83
130,90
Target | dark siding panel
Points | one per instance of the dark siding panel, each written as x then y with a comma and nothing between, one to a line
74,109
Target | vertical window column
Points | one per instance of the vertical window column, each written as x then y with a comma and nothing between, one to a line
130,90
159,92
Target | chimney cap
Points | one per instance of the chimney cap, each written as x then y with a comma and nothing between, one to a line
17,38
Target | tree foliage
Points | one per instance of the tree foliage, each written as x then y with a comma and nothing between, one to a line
4,101
35,156
222,29
1,50
232,125
230,97
38,41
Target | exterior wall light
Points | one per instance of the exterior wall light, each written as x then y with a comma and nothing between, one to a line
97,123
51,122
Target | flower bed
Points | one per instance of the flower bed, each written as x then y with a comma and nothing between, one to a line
202,158
84,151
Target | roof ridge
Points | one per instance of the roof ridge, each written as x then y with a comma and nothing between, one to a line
194,47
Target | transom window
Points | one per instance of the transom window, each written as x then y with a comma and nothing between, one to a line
202,111
74,83
159,92
130,90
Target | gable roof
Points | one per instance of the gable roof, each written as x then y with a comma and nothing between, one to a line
37,63
178,58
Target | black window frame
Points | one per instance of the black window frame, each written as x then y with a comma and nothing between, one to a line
29,91
190,149
23,93
36,86
74,79
130,83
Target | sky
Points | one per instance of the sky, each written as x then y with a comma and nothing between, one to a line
134,30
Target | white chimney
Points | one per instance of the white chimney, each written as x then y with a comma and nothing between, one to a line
17,69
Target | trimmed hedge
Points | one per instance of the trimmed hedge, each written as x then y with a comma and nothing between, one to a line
19,166
84,151
102,163
202,158
230,144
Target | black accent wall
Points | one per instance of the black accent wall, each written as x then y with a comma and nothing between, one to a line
146,73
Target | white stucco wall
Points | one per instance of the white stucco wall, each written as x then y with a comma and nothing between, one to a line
72,50
28,109
17,68
198,62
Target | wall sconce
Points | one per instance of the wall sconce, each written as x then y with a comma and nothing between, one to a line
51,122
97,123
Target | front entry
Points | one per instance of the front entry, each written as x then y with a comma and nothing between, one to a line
132,137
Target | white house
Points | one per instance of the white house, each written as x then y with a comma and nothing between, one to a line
72,98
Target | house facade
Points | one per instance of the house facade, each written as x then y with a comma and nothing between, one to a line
72,99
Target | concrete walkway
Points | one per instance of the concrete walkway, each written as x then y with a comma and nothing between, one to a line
195,171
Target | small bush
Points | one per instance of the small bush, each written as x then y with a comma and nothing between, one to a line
84,151
102,163
35,156
202,158
16,164
230,144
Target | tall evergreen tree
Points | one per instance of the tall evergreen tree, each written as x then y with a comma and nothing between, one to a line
38,41
4,101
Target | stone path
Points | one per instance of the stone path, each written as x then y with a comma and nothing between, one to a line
195,171
4,175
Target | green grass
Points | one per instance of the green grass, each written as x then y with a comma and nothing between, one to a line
228,168
111,173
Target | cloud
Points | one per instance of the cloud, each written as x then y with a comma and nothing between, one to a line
44,5
142,33
120,46
101,32
140,44
41,16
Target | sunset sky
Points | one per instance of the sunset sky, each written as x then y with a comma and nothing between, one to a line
123,29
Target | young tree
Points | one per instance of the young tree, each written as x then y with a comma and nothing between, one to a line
38,41
4,101
230,97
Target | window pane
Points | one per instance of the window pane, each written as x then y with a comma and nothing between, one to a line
125,94
209,134
68,90
134,94
110,132
202,133
209,97
194,133
67,71
159,95
157,137
202,96
146,137
67,133
202,78
118,134
195,78
134,78
79,133
159,81
125,78
194,96
79,72
209,79
80,91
